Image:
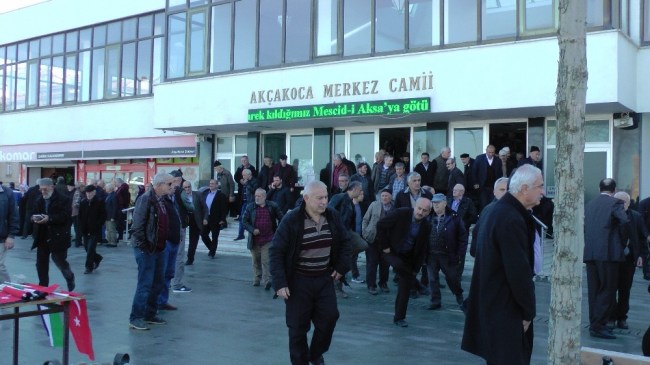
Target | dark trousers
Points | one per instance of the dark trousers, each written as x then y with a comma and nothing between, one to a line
646,267
214,229
312,300
402,265
59,258
486,195
92,257
373,259
625,277
195,232
121,225
77,233
602,281
434,266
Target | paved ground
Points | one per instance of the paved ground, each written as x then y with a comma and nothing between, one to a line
226,321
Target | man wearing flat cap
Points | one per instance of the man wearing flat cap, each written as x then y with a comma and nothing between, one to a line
226,183
534,158
92,215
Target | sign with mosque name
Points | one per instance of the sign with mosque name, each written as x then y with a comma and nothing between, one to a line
395,107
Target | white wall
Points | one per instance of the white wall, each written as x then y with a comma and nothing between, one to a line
123,119
499,76
57,15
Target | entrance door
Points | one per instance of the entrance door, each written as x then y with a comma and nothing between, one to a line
512,135
468,139
275,144
395,141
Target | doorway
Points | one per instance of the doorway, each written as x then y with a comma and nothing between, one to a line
512,135
395,141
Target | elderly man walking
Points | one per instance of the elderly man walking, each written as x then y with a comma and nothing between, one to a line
9,222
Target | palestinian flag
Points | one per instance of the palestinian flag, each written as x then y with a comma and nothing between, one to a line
53,324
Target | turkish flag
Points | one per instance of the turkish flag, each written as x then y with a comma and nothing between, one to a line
80,329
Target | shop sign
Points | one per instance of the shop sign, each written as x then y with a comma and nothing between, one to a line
17,156
69,155
113,168
353,109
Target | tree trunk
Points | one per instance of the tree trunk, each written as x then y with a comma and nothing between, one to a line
568,220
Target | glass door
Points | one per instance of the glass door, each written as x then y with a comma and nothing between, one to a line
468,139
274,145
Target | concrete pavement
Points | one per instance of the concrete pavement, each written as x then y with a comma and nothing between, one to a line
225,320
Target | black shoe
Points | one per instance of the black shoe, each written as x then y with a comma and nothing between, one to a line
622,324
433,307
442,286
88,271
71,285
189,262
25,237
211,254
98,261
372,290
167,307
319,361
384,288
239,238
401,323
645,276
111,245
602,333
414,294
267,286
460,299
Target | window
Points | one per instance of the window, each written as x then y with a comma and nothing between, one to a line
499,19
70,91
114,33
10,87
143,76
57,80
58,42
241,145
460,21
129,29
595,13
97,75
127,81
21,85
389,25
71,42
424,24
298,30
32,83
356,27
539,16
646,20
112,71
46,46
197,41
220,48
224,144
362,148
99,36
176,46
157,60
44,89
326,27
244,34
85,38
270,33
83,94
34,48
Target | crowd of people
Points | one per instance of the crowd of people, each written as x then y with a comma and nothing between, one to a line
419,222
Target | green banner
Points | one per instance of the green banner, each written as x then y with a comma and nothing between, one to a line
353,109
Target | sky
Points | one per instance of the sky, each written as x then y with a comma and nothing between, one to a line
11,5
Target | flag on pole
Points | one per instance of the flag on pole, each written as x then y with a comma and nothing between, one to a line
53,324
80,329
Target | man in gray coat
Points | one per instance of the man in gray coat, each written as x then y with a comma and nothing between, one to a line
604,219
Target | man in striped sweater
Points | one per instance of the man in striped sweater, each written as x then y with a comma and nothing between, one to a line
310,247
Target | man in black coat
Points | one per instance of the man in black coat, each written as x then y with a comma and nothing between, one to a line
309,249
52,223
412,193
485,173
217,205
644,209
92,215
455,175
635,238
500,307
604,219
197,213
403,236
279,194
466,210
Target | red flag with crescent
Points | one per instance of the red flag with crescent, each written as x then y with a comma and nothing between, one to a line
80,328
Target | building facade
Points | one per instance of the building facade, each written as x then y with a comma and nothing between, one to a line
136,87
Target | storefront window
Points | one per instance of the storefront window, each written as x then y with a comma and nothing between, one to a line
362,148
467,140
499,19
356,27
326,27
597,131
241,145
298,31
424,23
301,158
220,48
460,21
428,140
389,25
270,33
339,141
224,145
245,34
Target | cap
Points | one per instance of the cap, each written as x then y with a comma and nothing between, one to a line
89,188
534,149
386,189
438,198
283,157
177,173
464,155
216,163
